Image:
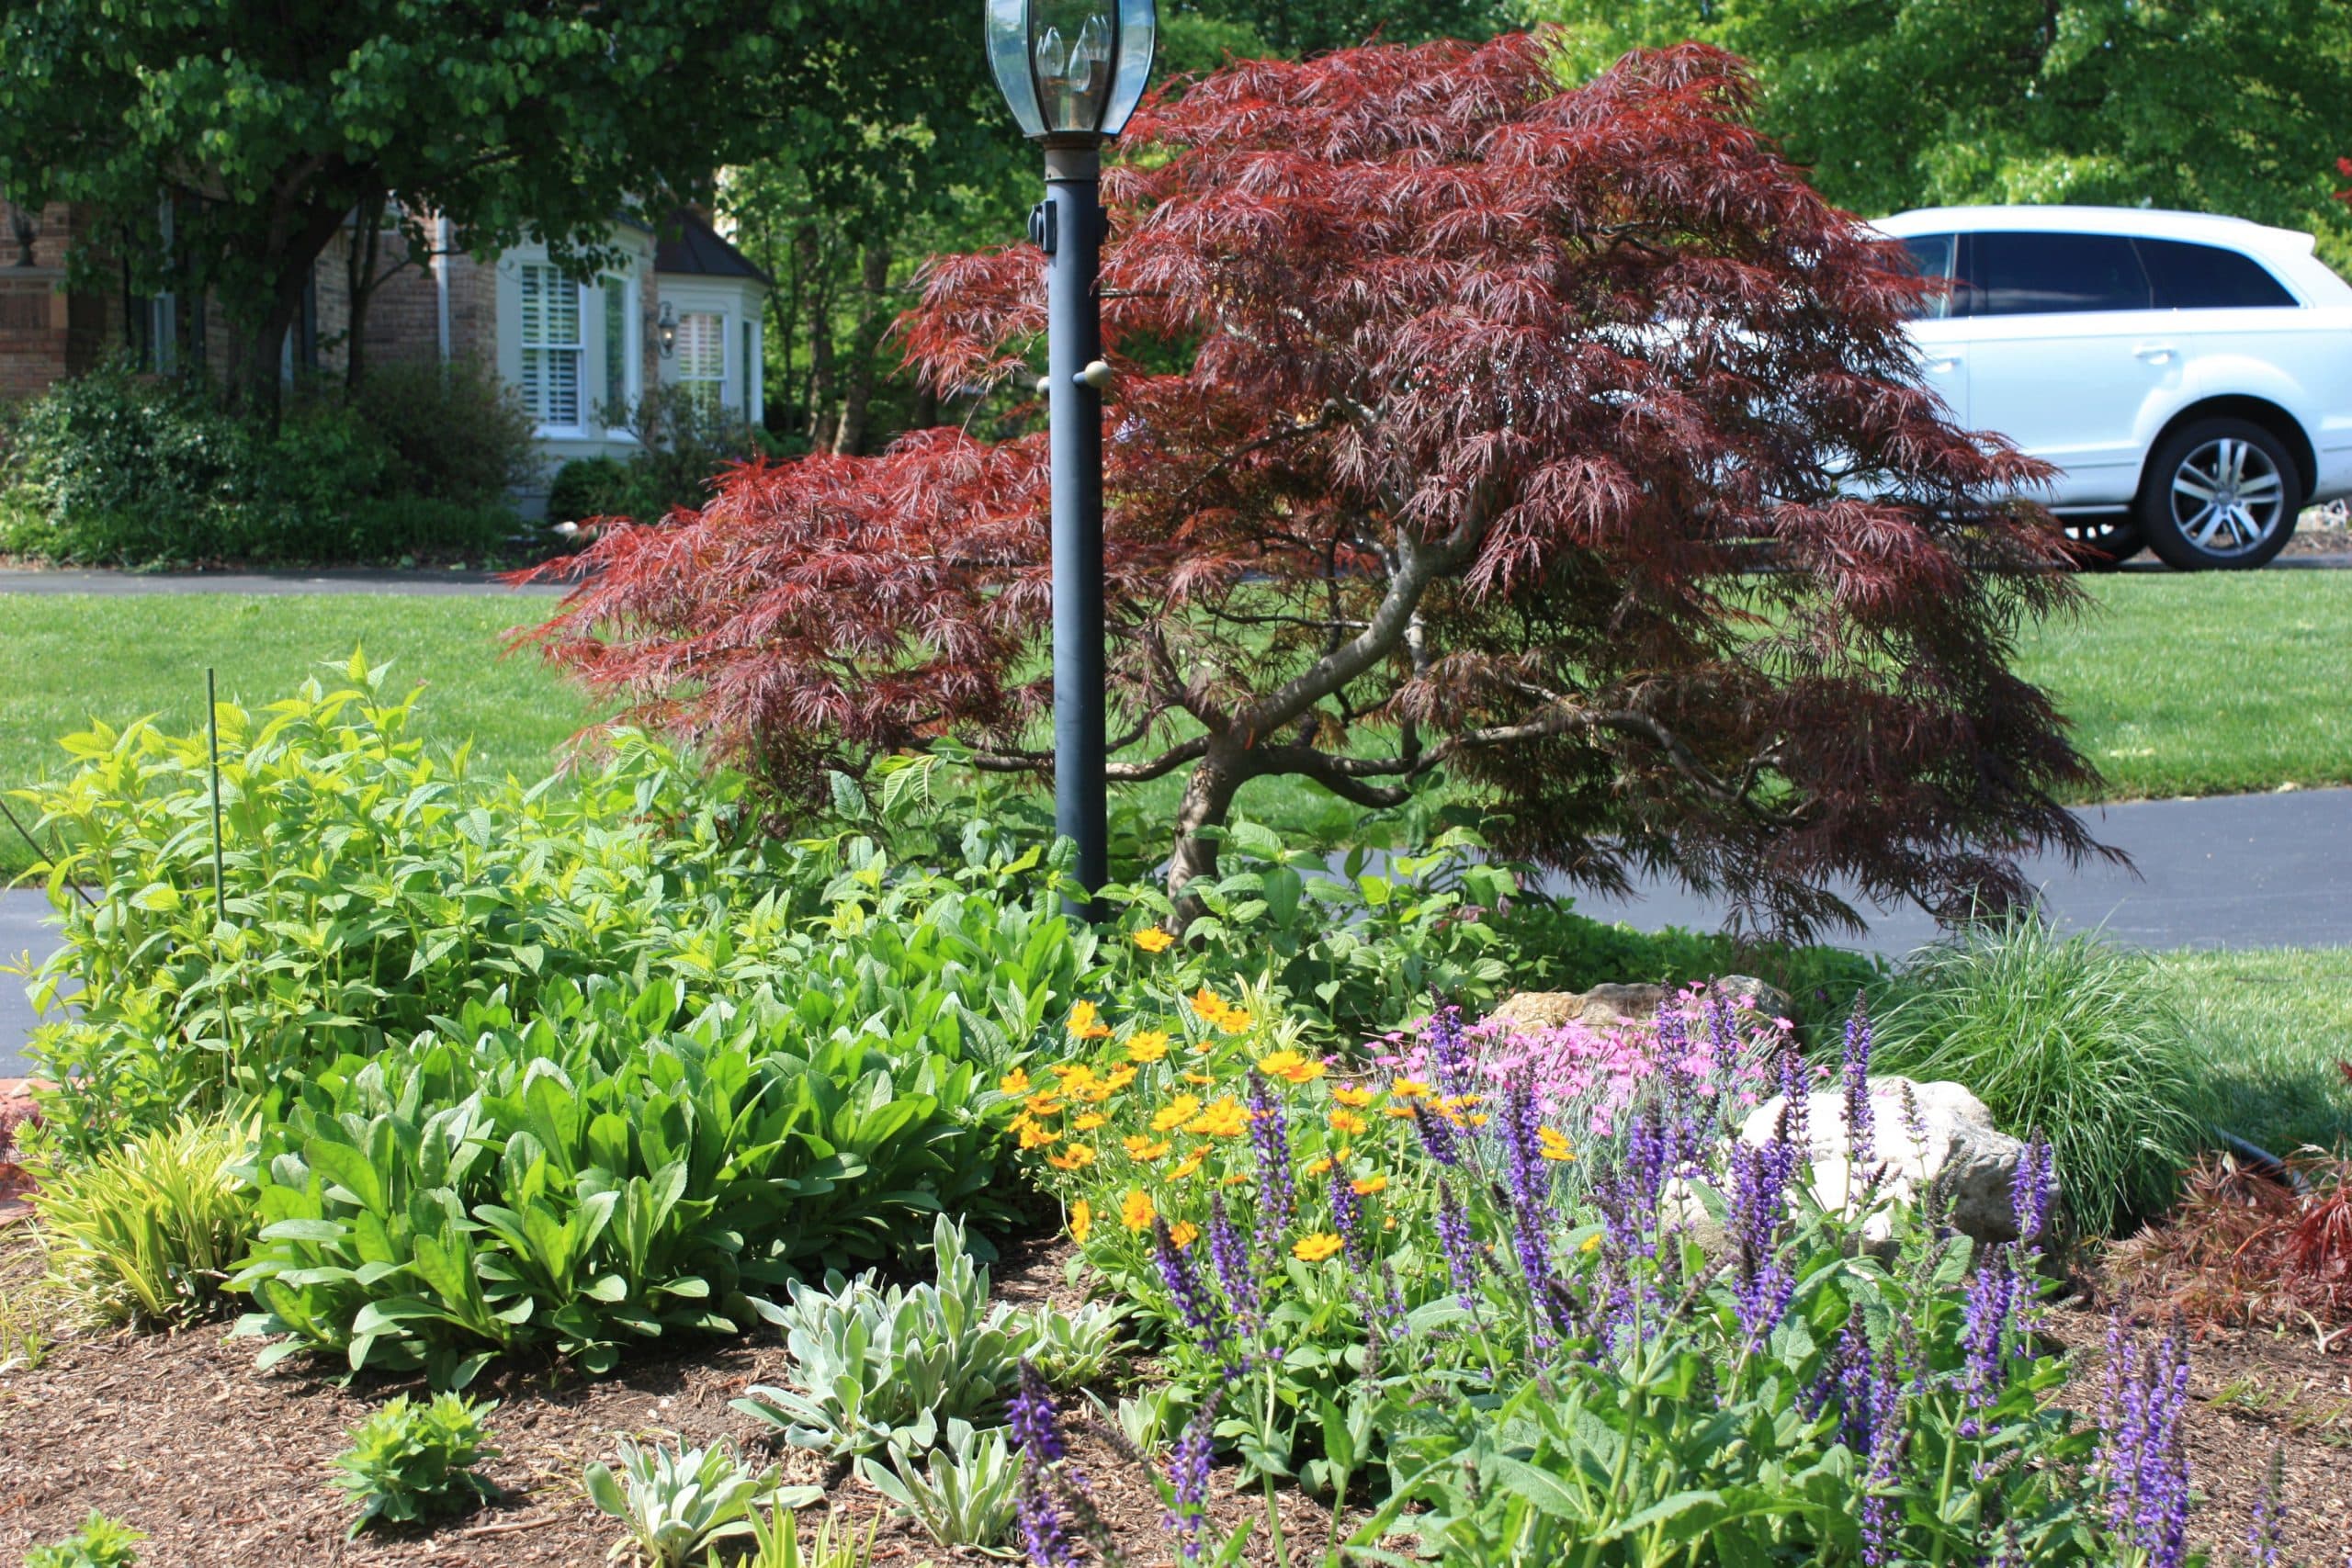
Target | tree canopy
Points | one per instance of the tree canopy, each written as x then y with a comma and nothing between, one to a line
264,129
1564,440
2231,108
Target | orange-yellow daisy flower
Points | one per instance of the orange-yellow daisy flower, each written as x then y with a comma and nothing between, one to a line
1348,1122
1358,1098
1075,1156
1151,938
1228,1117
1191,1163
1184,1233
1555,1143
1147,1045
1143,1148
1135,1211
1015,1082
1177,1111
1087,1122
1315,1248
1086,1022
1366,1186
1291,1067
1081,1218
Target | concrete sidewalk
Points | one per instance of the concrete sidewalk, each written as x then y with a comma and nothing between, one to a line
2236,871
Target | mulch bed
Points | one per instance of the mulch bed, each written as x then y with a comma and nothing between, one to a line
227,1467
223,1465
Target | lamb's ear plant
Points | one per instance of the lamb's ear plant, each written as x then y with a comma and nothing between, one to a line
963,1493
678,1502
1075,1348
101,1543
874,1368
409,1460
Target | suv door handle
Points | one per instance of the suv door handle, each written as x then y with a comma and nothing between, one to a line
2153,352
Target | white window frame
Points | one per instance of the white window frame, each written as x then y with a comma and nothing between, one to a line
631,349
546,428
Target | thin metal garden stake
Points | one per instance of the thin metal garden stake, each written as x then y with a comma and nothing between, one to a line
220,888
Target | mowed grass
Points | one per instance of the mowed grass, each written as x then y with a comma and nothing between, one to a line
2274,1029
2215,683
2176,684
65,660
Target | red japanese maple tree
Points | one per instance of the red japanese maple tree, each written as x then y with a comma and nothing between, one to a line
1563,440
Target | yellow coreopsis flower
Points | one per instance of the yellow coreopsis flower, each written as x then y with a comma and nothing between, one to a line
1191,1164
1081,1218
1555,1143
1234,1021
1348,1122
1209,1005
1147,1045
1135,1211
1366,1186
1291,1067
1044,1103
1037,1136
1177,1111
1075,1157
1199,1077
1015,1082
1228,1117
1592,1243
1409,1089
1151,938
1184,1233
1087,1122
1118,1078
1086,1022
1146,1149
1316,1167
1358,1098
1315,1248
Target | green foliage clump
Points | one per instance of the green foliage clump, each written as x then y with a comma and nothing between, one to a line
963,1492
408,1461
617,1169
872,1369
2070,1036
588,487
678,1502
148,1230
118,468
101,1543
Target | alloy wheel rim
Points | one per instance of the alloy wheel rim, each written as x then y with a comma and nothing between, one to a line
2228,497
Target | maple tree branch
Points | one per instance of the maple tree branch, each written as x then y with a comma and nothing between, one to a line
1167,762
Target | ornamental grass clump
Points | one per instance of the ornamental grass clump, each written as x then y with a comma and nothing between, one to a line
2072,1035
1682,1356
149,1232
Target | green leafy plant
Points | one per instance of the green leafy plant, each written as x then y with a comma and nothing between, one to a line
679,1501
962,1493
775,1542
101,1543
1074,1349
2072,1035
409,1460
150,1231
874,1368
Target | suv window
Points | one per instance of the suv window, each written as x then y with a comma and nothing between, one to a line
1931,258
2035,274
2189,276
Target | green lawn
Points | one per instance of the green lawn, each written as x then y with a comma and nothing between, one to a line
67,657
2179,685
2274,1025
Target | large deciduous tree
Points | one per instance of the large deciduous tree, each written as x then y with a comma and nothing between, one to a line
1914,102
264,129
1565,442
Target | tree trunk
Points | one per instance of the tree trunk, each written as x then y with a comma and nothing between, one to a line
359,285
257,347
820,316
1209,790
874,321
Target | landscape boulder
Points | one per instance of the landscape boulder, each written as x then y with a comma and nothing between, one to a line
1608,1006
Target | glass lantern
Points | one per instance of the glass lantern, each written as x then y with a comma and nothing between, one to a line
1072,70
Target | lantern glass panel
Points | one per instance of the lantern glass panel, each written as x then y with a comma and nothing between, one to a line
1138,30
1009,57
1070,47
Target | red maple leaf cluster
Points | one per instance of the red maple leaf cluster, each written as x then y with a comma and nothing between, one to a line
1563,440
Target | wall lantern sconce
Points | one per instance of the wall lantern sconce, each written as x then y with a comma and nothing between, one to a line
666,331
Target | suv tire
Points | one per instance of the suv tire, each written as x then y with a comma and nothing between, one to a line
2104,542
2220,494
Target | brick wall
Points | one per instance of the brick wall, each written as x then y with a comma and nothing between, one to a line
37,319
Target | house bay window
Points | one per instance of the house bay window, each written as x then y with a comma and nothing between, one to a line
551,347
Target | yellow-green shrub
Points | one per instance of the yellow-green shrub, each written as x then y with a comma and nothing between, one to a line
149,1230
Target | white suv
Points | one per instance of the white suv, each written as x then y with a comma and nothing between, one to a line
2191,377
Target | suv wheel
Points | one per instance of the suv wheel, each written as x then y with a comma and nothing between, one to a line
2104,541
2221,493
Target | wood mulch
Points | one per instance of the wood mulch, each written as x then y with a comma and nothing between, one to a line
227,1467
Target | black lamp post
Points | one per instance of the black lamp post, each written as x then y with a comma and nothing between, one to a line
1073,71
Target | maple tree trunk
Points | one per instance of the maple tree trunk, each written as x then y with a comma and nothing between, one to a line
1209,790
820,307
857,399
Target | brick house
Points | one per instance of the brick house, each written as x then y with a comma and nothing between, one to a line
685,312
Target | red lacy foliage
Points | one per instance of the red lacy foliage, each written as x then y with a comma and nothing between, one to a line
1455,412
2243,1249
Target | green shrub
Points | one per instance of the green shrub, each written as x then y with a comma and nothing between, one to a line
408,1461
99,1543
616,1169
148,1230
588,487
963,1492
2071,1036
457,433
678,1502
117,468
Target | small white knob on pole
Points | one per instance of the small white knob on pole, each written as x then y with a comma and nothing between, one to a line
1096,375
